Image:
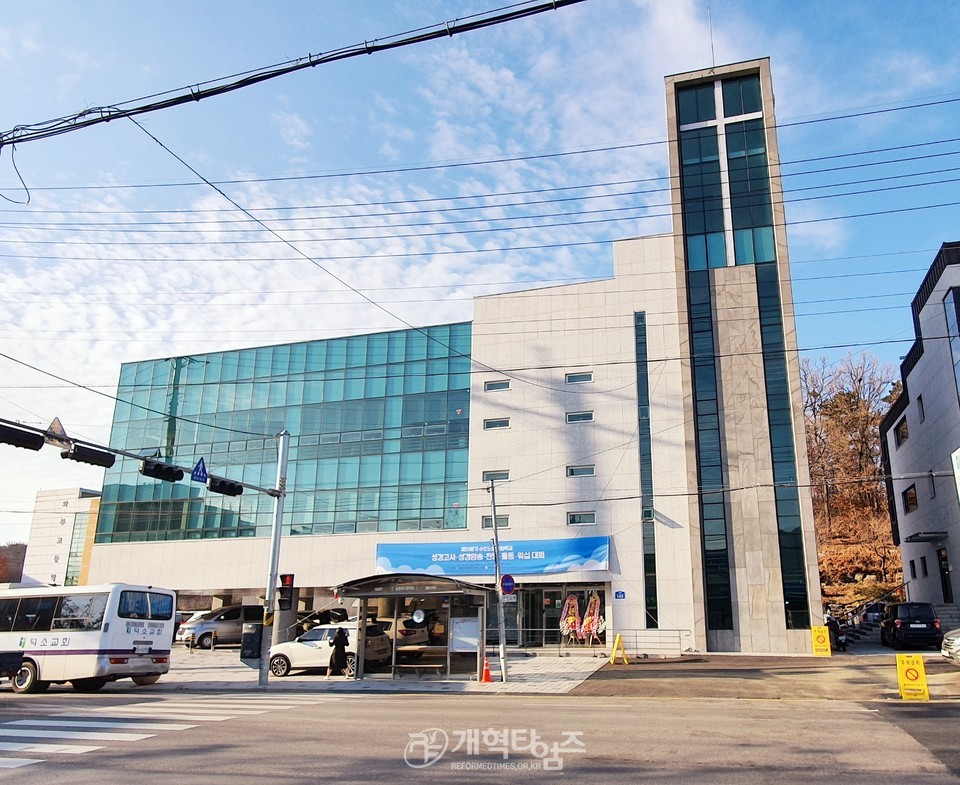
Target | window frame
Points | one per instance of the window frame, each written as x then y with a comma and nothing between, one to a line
568,378
497,475
910,499
588,470
578,418
488,424
899,438
503,522
496,385
571,515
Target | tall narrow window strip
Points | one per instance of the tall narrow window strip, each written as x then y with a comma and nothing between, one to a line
783,452
645,447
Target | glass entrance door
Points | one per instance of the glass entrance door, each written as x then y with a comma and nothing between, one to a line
944,568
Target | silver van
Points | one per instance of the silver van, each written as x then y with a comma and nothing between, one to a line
226,622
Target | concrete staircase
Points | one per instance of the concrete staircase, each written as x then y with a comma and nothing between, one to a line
949,616
867,632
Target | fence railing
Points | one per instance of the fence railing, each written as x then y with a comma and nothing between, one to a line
636,642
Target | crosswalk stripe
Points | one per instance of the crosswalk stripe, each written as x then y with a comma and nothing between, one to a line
16,763
82,724
26,746
126,715
66,734
179,708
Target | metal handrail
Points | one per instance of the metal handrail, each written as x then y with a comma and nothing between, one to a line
858,609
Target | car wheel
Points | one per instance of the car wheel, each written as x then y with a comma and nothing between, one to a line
205,641
351,665
88,685
145,681
26,679
279,666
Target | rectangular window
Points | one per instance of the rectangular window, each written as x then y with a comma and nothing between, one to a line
35,614
921,414
913,569
923,566
580,377
910,499
146,605
503,521
900,431
581,518
581,471
501,422
497,474
579,416
499,384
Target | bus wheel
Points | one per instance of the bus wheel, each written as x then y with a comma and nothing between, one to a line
26,679
144,681
88,685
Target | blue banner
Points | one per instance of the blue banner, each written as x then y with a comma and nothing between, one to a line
517,557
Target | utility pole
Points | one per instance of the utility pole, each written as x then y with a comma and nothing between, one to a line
269,600
501,626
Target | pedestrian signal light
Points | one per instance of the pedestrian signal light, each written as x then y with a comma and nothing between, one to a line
285,592
160,471
224,486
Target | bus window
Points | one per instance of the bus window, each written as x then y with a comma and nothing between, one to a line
80,612
35,614
145,605
8,612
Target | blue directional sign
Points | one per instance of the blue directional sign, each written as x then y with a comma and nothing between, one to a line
199,473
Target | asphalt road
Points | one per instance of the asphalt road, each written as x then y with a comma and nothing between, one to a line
305,739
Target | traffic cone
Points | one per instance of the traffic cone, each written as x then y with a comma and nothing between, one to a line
486,671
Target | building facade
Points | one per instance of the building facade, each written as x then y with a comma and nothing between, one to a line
637,441
58,548
920,439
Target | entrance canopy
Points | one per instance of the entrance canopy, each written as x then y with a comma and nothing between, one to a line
407,584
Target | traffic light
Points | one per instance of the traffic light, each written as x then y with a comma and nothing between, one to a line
83,454
160,471
29,440
224,486
285,592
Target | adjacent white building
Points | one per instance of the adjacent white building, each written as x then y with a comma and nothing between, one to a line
58,536
920,438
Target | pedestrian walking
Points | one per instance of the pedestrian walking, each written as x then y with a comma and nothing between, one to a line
338,660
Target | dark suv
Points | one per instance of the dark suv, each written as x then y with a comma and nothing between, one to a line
909,624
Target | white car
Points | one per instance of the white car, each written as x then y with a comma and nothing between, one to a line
950,648
411,633
313,649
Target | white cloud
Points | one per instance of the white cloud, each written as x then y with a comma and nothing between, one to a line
294,130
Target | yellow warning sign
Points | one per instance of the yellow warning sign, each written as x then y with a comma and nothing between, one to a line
912,678
821,642
618,646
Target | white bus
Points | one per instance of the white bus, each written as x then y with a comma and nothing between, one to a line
87,635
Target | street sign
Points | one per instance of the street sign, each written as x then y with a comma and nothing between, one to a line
619,595
199,473
821,641
912,678
507,584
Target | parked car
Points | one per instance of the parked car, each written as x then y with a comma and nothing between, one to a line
226,622
950,648
411,633
910,624
182,617
313,649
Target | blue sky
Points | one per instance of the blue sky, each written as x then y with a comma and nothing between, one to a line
120,254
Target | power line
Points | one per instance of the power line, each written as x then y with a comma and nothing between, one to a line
21,134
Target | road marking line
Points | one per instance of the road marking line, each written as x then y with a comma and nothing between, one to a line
16,763
62,734
131,724
123,715
49,748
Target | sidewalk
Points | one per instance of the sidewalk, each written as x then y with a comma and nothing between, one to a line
222,670
866,673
